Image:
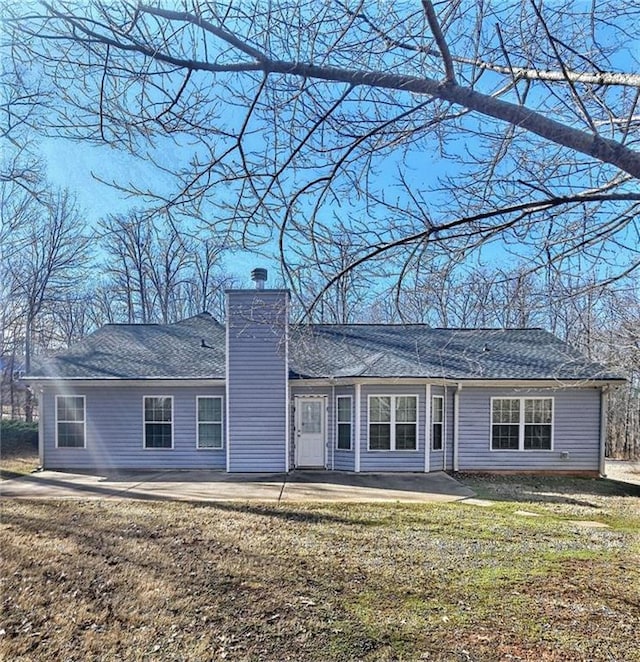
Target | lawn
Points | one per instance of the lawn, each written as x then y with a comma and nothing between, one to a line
18,448
533,575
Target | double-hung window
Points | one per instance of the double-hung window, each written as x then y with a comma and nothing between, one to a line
158,421
437,422
393,422
343,422
209,422
521,423
70,421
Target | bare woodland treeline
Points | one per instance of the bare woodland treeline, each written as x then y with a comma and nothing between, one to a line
390,152
62,280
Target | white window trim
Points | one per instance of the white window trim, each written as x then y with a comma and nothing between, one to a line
198,421
521,425
392,423
440,423
84,422
350,421
144,425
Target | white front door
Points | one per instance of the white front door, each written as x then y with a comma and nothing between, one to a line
310,432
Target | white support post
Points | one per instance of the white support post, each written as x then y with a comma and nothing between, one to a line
456,425
427,428
356,436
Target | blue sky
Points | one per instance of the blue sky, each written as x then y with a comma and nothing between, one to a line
72,165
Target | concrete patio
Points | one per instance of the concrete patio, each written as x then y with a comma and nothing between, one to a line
200,485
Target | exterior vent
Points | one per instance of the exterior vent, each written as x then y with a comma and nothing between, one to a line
564,455
259,277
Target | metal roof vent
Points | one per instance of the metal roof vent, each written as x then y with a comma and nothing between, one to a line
259,276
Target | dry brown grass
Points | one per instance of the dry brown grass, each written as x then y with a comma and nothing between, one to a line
130,580
17,458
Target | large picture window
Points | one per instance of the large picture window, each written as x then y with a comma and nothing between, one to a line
521,423
437,422
158,421
393,422
70,421
343,422
209,422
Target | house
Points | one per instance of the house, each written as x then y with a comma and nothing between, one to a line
259,394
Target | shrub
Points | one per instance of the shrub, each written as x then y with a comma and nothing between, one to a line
18,436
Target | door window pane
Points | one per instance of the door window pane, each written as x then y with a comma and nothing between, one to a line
311,418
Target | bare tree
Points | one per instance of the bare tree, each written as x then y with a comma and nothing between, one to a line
617,342
126,241
207,281
168,256
528,112
155,270
45,255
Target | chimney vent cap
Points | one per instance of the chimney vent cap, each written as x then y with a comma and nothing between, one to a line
259,276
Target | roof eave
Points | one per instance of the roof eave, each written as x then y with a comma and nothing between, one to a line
120,381
556,382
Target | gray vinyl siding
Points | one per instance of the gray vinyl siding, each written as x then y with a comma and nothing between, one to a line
450,422
576,431
257,380
114,428
318,391
391,460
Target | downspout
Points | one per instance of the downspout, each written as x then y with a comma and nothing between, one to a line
356,438
456,425
604,403
227,407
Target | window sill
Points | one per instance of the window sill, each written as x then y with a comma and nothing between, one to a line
521,450
393,450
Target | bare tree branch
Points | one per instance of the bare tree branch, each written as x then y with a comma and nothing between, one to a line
450,76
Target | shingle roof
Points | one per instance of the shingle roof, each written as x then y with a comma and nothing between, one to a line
139,351
419,351
195,349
